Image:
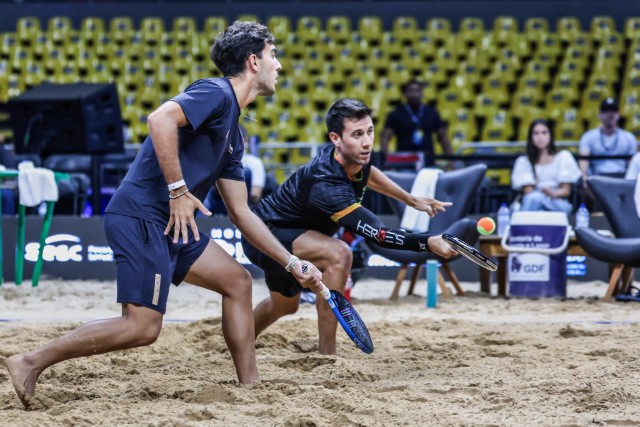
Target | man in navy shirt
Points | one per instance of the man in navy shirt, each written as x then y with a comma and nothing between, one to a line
325,194
414,124
193,143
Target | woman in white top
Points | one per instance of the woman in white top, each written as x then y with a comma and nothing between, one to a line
544,175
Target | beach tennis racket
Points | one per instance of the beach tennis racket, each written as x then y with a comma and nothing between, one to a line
470,252
349,319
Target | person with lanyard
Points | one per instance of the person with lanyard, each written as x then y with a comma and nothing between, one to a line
319,198
413,124
606,140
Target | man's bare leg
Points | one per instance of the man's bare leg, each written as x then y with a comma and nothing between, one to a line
272,308
333,257
218,271
138,326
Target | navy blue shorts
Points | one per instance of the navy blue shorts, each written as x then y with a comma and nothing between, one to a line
277,278
147,261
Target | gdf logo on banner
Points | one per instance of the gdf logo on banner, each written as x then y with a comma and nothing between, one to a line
528,267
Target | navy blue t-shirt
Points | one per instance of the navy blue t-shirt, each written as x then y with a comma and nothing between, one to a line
210,147
316,196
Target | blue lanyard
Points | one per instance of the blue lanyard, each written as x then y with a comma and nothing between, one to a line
415,119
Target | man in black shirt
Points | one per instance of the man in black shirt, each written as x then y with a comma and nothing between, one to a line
413,125
318,199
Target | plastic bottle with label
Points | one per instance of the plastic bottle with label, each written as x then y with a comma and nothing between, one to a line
504,216
582,216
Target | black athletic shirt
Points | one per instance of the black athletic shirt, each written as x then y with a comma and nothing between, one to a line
316,196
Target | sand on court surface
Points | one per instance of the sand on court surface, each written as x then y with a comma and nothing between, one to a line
472,361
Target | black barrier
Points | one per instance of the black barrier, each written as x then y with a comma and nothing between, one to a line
76,249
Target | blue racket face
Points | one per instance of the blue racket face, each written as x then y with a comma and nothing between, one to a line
351,322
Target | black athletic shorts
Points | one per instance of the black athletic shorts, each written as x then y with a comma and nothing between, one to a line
147,261
278,279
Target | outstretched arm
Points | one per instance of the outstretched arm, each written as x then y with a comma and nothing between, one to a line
382,184
234,194
364,223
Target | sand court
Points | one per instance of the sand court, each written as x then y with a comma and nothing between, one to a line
472,361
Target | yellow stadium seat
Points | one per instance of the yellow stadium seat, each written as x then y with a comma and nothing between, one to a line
405,28
371,29
280,26
496,89
446,60
629,101
479,58
549,44
309,29
569,127
602,26
498,127
632,28
339,29
504,27
27,30
633,123
590,102
460,133
504,70
451,99
151,29
558,101
535,29
121,29
602,81
525,103
248,17
569,28
538,71
214,25
426,46
632,79
435,73
485,106
439,29
468,75
607,60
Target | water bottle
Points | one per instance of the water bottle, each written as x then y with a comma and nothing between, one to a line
582,216
503,219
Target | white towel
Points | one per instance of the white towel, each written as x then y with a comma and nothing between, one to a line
36,185
423,186
636,196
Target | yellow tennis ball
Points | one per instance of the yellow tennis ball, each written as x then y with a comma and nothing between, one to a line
486,226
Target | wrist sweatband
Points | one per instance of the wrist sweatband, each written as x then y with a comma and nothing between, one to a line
176,185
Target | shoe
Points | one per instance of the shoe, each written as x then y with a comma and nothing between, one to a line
632,295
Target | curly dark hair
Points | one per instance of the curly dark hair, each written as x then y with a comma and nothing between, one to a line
233,46
532,151
345,108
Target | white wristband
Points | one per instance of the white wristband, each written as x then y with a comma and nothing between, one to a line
292,261
176,185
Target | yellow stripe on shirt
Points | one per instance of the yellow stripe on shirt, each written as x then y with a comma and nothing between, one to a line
344,212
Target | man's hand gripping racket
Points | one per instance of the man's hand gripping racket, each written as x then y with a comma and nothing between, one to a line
347,317
470,252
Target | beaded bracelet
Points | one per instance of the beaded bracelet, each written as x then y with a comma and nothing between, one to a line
179,195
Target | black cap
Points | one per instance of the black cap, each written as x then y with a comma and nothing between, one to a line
609,104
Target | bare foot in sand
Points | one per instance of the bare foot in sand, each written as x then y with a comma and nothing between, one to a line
23,377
